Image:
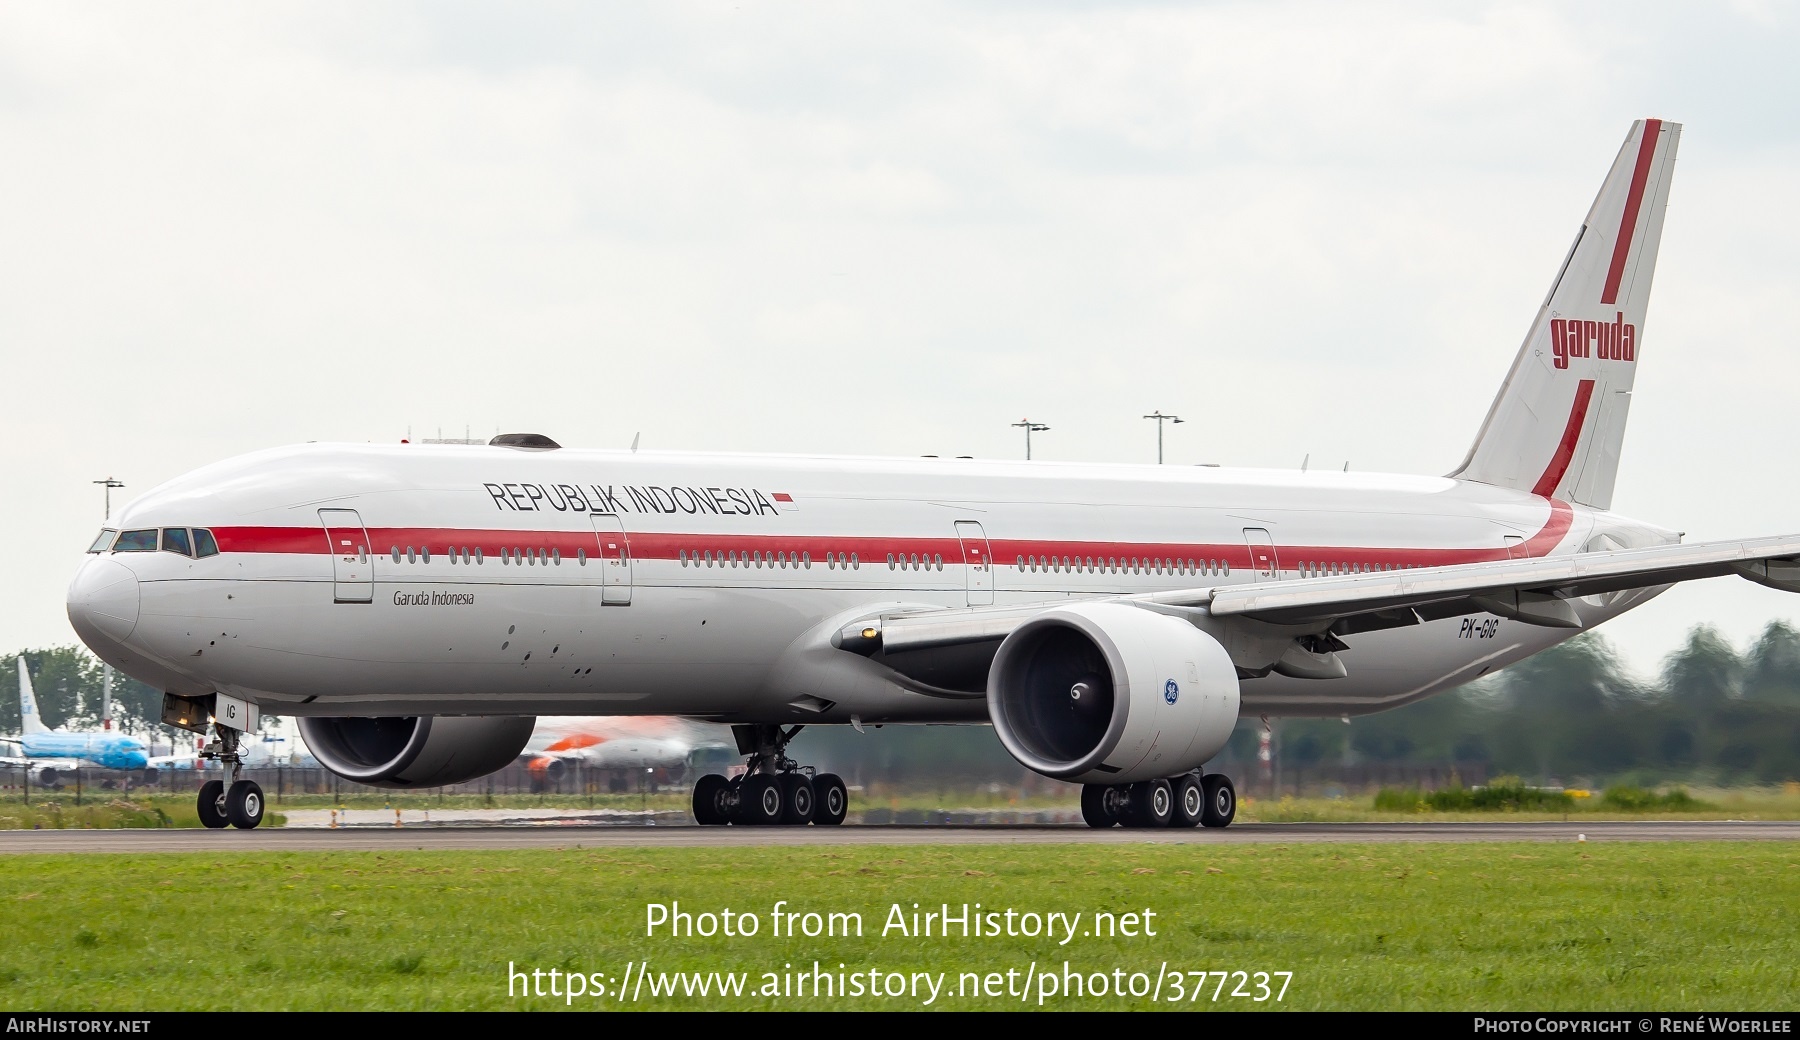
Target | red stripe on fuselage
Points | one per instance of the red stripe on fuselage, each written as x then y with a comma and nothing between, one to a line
873,551
1565,449
1640,175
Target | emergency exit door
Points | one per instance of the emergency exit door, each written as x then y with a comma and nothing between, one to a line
978,563
614,560
1263,565
352,568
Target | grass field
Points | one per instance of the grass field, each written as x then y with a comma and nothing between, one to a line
1483,926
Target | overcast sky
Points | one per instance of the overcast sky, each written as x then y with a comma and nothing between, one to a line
1308,228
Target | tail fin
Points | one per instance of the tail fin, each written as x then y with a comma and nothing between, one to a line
29,719
1557,426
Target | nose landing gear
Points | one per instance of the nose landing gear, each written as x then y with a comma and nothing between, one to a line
241,804
1188,800
774,790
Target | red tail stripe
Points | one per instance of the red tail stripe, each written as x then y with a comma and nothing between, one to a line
1565,451
1628,226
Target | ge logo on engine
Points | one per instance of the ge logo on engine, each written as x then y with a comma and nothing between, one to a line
1171,691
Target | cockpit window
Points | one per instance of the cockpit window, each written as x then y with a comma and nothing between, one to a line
136,541
104,542
204,545
175,540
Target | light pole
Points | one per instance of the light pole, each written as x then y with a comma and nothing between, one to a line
1160,419
1030,428
109,483
106,669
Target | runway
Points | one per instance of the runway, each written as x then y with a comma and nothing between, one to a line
137,842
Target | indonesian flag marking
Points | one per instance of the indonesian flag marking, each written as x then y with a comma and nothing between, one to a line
784,501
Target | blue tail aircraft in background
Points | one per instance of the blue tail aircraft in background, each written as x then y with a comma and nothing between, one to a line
50,754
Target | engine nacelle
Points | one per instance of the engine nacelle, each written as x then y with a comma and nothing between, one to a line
419,751
1106,693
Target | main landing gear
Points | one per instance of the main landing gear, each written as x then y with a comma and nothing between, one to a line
238,805
773,790
1188,800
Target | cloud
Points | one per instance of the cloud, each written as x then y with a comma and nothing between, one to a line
1309,228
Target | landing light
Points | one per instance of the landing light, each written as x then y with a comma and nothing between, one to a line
871,633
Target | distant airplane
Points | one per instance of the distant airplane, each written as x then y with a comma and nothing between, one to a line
618,743
52,754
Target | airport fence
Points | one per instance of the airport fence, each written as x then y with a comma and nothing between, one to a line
280,782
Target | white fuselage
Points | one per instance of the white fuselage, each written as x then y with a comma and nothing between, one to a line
615,583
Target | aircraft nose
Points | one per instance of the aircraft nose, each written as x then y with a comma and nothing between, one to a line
103,602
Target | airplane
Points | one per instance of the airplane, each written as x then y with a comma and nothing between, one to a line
417,606
55,754
614,744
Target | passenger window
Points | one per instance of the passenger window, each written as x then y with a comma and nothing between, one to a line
855,564
175,540
136,541
425,554
204,544
104,542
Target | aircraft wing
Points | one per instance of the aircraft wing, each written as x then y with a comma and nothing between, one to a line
1533,590
1536,591
64,765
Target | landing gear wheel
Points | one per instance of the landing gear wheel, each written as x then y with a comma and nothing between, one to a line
1221,800
759,800
244,804
211,805
1152,803
831,800
712,803
1096,808
1190,800
796,799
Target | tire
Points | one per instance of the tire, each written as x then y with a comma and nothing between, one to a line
210,805
1221,800
1152,803
1190,800
244,804
759,800
711,807
831,800
1093,807
797,801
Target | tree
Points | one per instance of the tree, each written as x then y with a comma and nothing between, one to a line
1772,667
69,683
